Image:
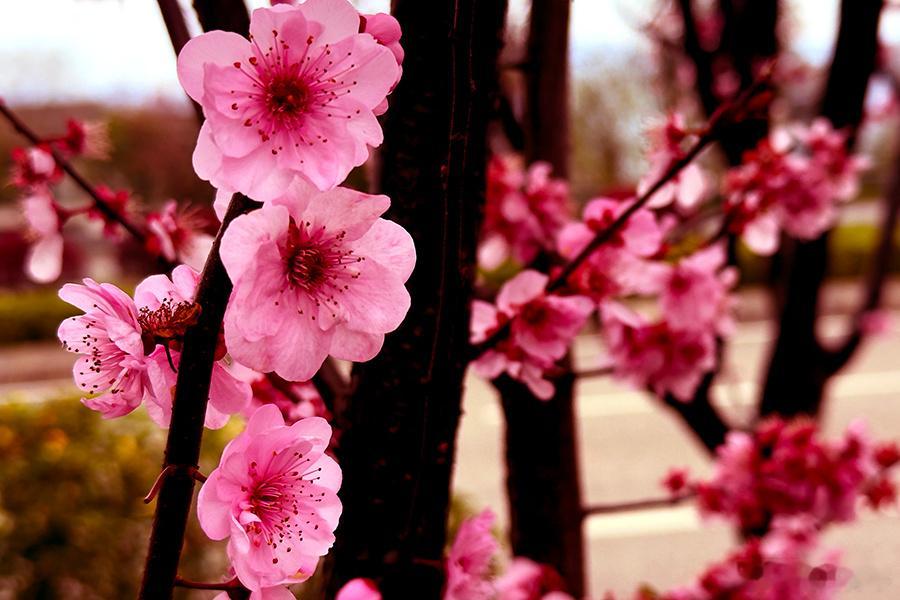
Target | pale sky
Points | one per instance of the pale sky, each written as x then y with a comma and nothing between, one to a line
118,50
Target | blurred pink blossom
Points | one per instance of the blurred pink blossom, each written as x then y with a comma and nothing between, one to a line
43,263
469,561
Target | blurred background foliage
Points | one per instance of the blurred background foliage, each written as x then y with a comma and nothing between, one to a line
72,522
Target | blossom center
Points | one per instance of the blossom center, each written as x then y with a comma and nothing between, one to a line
167,323
286,96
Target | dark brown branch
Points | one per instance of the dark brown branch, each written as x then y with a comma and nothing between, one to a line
188,414
837,358
179,36
598,372
227,15
633,505
232,584
100,204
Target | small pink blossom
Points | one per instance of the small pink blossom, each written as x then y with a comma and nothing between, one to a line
276,592
166,307
524,211
296,400
118,201
43,263
785,564
109,336
131,348
619,266
657,355
792,181
359,589
525,579
689,187
176,235
542,326
274,496
695,291
84,138
34,167
297,99
386,31
469,561
314,274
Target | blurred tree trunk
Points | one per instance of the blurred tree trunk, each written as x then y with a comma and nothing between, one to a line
800,366
748,37
543,481
397,452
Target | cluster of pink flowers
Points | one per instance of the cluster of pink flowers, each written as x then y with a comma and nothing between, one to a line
668,355
785,469
541,327
785,563
523,212
671,354
792,182
471,576
131,348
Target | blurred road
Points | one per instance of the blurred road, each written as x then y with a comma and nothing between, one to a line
628,442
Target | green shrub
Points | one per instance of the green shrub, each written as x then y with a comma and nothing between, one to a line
72,522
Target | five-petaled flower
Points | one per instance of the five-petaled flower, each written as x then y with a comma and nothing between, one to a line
274,496
314,273
296,99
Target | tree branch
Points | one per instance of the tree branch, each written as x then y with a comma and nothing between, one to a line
633,505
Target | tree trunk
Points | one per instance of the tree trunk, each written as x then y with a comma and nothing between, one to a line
397,453
799,367
543,481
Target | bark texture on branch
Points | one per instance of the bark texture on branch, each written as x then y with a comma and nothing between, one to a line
397,453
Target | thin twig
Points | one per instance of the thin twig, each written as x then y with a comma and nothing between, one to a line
101,204
617,507
232,584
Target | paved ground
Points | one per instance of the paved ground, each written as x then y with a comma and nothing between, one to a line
627,443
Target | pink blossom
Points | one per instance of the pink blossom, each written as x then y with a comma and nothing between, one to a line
109,336
274,496
688,188
469,561
43,262
176,235
386,31
117,201
786,563
791,181
524,211
34,167
542,326
876,322
619,266
125,345
657,355
695,291
677,481
359,589
165,308
525,579
785,469
297,99
296,400
84,138
276,592
314,274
